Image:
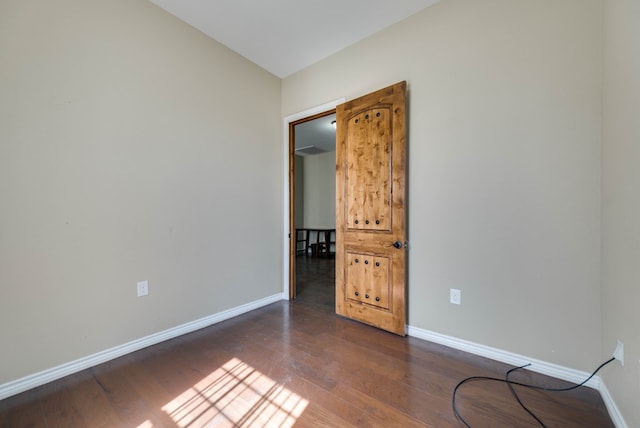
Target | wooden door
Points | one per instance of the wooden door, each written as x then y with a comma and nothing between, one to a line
370,209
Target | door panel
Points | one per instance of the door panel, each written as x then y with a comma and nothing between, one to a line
368,170
367,279
370,209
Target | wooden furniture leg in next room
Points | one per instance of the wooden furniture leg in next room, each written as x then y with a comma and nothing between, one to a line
302,236
326,238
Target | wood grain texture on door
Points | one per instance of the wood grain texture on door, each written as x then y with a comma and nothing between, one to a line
370,209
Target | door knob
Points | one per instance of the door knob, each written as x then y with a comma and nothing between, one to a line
397,245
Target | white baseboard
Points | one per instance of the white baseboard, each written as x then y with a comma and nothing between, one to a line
516,360
28,382
614,412
538,366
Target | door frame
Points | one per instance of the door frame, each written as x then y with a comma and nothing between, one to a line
288,151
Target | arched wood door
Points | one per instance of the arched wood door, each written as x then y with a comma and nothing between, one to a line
370,209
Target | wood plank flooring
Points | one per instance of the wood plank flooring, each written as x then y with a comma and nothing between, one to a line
296,364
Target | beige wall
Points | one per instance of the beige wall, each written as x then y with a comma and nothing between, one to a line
320,190
504,166
621,201
131,147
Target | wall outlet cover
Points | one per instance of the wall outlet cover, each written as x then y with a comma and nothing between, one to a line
455,296
143,288
618,353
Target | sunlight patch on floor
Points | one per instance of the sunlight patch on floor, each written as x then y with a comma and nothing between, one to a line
236,395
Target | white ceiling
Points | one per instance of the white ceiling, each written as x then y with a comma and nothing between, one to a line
285,36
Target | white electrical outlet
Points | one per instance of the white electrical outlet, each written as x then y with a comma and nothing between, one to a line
143,288
455,296
618,353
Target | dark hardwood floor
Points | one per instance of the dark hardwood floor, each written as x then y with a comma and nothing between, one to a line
296,363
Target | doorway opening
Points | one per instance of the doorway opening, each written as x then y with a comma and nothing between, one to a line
312,220
290,244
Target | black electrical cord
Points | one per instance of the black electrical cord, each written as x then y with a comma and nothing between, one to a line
510,383
515,394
